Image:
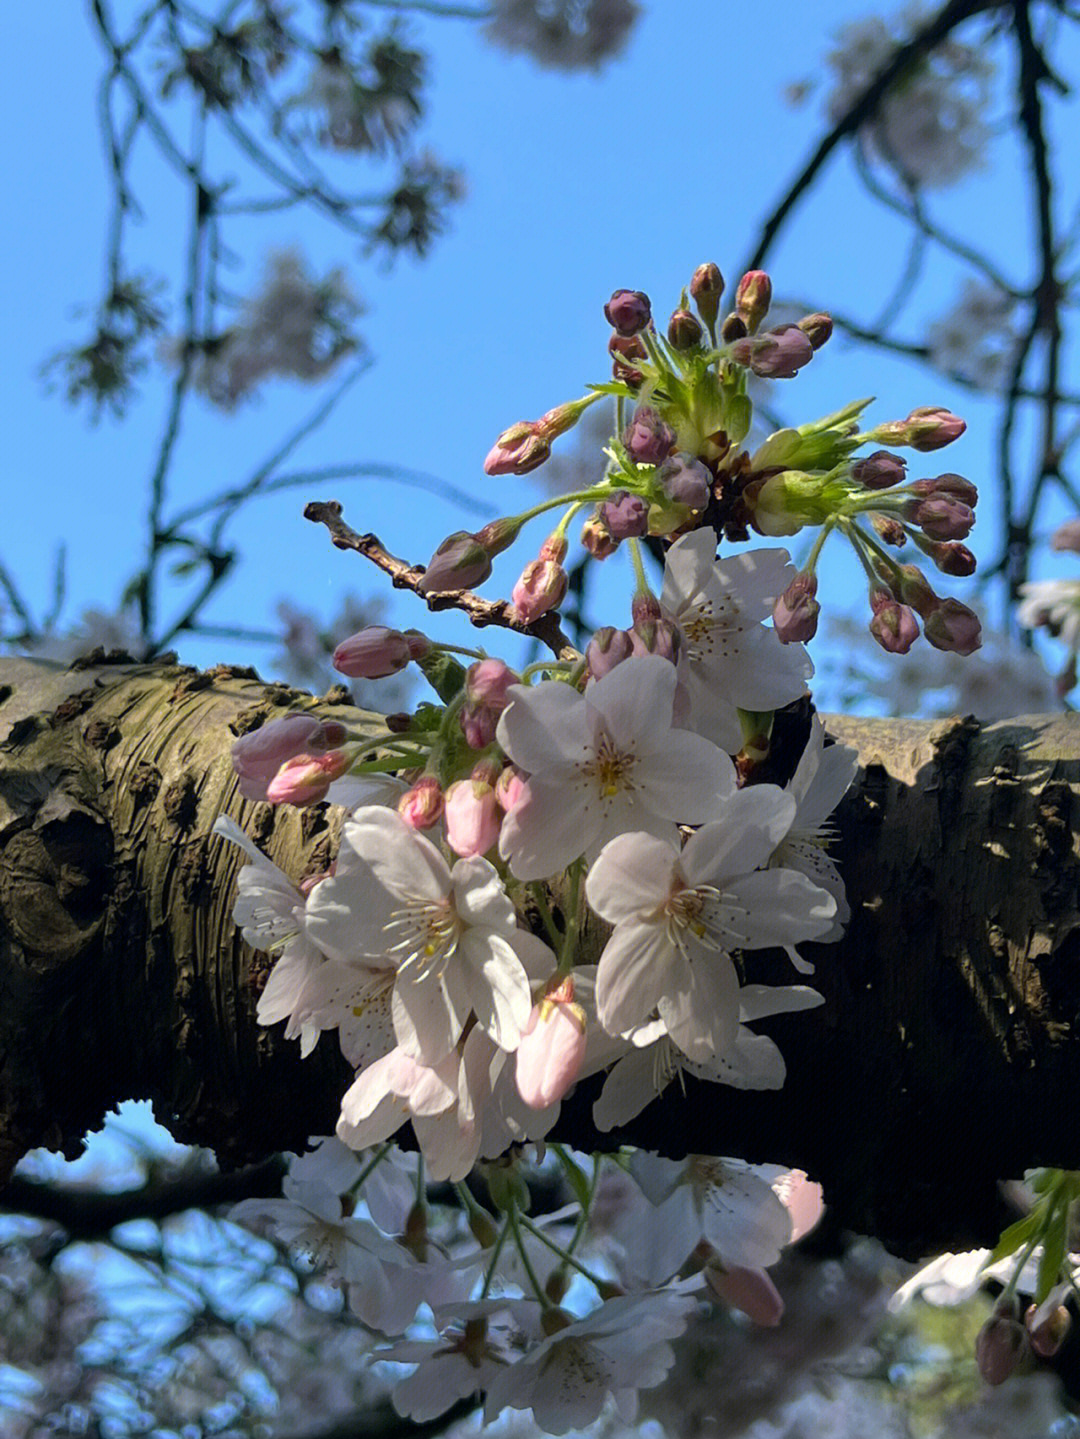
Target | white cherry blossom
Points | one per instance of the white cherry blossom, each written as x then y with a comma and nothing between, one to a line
729,659
616,1350
602,763
451,934
677,915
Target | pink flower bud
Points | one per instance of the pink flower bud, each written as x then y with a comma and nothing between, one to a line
628,311
517,451
894,627
686,481
510,788
1047,1332
930,427
795,613
422,805
625,515
953,627
941,518
543,582
753,298
597,538
648,439
750,1290
1066,536
459,563
552,1048
954,485
473,817
803,1198
1001,1344
652,633
880,470
607,648
376,651
777,355
487,684
258,756
305,778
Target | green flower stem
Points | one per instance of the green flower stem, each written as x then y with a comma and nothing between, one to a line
566,1257
406,759
514,1220
545,667
858,544
496,1250
641,582
819,542
583,1217
539,894
573,905
370,1168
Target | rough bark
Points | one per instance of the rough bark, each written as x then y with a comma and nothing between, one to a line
946,1056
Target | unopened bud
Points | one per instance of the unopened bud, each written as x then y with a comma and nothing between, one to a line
953,627
685,480
376,651
941,518
753,298
1047,1333
625,515
510,787
795,613
422,806
305,778
749,1290
597,538
459,563
258,756
473,817
817,328
879,471
542,584
624,349
706,287
733,328
953,559
893,626
647,438
684,330
776,355
607,648
915,590
955,486
517,451
553,1320
628,311
930,427
552,1048
889,529
487,685
1001,1344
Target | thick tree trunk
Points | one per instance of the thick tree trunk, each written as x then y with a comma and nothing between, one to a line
947,1055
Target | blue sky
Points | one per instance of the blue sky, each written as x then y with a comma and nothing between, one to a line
576,185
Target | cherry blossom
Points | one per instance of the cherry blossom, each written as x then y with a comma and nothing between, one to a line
729,659
677,916
602,763
451,934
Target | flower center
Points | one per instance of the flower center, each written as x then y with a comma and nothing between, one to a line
610,768
704,913
428,933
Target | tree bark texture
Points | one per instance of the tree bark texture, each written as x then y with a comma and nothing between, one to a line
946,1056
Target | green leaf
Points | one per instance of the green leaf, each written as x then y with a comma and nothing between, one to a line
575,1176
1053,1255
443,673
1016,1235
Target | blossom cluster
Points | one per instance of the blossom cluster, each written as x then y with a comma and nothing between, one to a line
1054,606
564,876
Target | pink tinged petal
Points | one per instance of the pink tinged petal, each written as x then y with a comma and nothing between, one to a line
551,1053
779,907
544,726
402,861
803,1199
294,970
702,1014
548,829
429,1011
752,823
632,873
743,1219
450,1148
629,1087
497,986
633,702
429,1090
479,896
635,970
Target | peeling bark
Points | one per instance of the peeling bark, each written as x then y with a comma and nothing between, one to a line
947,1054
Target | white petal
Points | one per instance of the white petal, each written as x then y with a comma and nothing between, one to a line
628,1088
548,829
633,702
543,727
429,1011
743,836
498,986
757,1001
400,859
702,1014
635,970
632,873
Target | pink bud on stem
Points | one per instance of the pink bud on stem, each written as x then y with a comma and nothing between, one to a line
552,1048
422,806
376,651
305,778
